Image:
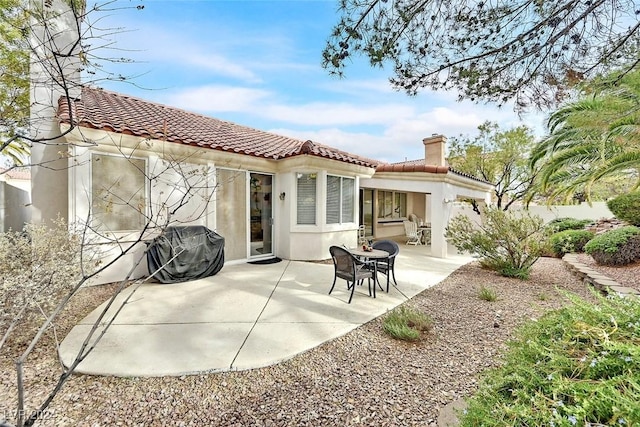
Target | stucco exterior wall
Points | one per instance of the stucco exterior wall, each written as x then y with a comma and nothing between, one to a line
49,173
582,211
14,202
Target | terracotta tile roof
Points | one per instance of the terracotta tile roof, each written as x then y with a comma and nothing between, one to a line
114,112
16,173
420,166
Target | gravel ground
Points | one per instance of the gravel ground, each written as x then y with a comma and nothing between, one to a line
363,378
628,275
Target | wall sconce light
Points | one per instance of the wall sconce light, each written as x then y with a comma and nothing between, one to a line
282,195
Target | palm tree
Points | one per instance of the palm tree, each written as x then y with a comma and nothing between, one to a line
592,139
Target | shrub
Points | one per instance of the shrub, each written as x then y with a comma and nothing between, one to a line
626,207
576,366
36,267
506,242
568,241
487,294
615,247
406,323
562,224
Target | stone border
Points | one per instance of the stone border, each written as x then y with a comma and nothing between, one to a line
596,279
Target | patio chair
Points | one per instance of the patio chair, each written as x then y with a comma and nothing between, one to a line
351,269
414,236
387,266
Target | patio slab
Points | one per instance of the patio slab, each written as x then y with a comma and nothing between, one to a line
247,316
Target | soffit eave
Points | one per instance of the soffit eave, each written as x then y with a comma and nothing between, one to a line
303,162
434,178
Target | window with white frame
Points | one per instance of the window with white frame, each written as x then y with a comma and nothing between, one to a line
392,205
118,192
340,199
306,198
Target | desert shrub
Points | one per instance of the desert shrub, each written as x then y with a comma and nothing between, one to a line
615,247
626,207
562,224
507,242
577,366
487,294
36,267
568,241
406,323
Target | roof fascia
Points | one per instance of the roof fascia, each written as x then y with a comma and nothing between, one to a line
446,178
311,162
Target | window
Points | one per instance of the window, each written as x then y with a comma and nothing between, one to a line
306,192
340,199
119,196
392,205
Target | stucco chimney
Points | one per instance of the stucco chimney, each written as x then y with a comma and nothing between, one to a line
434,147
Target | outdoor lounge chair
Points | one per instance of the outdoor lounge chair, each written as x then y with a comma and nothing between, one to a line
351,269
387,266
414,236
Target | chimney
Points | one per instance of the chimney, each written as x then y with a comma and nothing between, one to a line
434,147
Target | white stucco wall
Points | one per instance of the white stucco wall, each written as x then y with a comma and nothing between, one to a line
50,159
14,202
594,211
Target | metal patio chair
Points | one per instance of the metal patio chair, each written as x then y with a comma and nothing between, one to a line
351,269
387,266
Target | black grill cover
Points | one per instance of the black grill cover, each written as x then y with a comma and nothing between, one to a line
202,254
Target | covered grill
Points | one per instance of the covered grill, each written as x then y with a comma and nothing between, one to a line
185,253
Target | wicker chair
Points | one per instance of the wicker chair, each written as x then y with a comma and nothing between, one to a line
387,265
351,269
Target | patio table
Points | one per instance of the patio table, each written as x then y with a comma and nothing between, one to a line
373,254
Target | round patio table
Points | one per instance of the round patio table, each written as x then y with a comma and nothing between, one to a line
373,254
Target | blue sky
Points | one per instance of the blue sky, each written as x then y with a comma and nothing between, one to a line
257,63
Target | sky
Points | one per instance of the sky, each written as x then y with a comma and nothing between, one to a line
258,64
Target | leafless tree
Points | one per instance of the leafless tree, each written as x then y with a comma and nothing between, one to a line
64,40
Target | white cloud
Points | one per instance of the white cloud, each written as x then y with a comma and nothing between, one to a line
361,143
214,98
217,64
334,114
359,87
401,138
158,45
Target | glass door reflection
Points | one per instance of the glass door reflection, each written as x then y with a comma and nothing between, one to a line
260,219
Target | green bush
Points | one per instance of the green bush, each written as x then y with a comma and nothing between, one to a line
568,241
577,366
406,323
626,207
615,247
506,242
562,224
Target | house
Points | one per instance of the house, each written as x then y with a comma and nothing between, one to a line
426,187
125,168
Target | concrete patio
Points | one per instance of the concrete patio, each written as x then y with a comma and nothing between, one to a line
247,316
